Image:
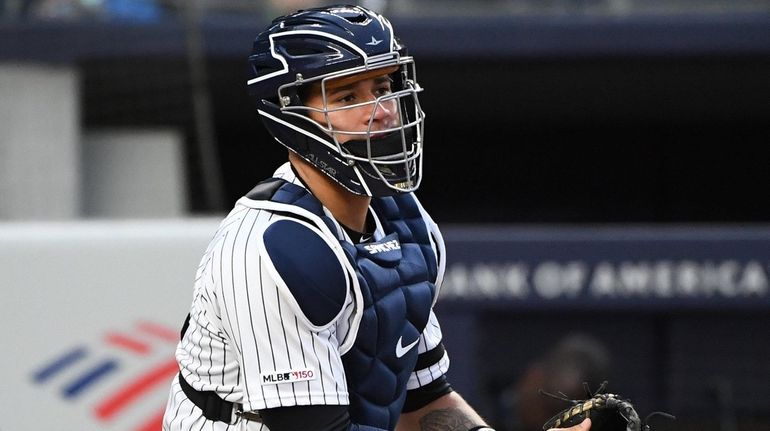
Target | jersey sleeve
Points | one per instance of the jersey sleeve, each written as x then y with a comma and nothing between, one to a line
285,357
432,359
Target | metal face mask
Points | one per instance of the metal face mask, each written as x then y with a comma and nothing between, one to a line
373,121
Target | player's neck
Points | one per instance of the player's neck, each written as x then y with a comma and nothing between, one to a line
347,208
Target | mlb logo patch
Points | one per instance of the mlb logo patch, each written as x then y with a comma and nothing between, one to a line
291,376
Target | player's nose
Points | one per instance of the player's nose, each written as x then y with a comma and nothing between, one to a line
382,113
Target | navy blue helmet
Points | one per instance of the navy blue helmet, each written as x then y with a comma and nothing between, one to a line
310,50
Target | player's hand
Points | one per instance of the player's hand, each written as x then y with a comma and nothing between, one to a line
582,426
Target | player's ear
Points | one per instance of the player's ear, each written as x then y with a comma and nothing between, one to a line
305,92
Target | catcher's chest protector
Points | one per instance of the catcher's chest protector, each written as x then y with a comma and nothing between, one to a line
396,275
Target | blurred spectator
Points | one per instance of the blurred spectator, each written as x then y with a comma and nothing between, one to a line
575,359
133,10
118,10
63,9
15,9
283,7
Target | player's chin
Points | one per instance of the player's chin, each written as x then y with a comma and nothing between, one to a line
343,138
377,134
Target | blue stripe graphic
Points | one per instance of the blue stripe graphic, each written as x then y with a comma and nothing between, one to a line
89,378
59,364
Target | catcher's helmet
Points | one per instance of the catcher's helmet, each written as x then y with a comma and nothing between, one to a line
314,46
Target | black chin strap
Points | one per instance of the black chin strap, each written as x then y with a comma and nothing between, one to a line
391,144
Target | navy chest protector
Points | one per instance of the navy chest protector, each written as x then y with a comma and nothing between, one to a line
396,275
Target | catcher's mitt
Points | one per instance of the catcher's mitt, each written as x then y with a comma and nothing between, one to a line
608,412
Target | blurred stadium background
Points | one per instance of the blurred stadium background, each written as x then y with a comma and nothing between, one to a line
600,168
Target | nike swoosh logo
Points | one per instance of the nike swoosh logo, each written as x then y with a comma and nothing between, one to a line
401,349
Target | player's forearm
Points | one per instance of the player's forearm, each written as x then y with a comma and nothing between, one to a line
448,413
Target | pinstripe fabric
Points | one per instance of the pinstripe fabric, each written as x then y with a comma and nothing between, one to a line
430,338
242,328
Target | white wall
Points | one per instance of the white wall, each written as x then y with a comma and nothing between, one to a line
69,286
133,173
39,142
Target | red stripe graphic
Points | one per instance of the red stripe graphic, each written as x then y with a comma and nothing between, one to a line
126,342
159,331
144,383
154,423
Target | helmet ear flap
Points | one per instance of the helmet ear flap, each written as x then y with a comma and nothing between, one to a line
302,93
299,142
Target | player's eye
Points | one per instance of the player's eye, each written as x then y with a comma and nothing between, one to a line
345,99
382,90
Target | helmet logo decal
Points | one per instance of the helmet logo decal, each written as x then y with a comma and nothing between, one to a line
405,185
374,42
314,159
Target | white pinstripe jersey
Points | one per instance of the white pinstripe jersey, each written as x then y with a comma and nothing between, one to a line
245,331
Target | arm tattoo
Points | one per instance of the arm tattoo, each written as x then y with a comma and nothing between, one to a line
450,419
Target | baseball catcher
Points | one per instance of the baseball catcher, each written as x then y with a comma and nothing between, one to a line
608,412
